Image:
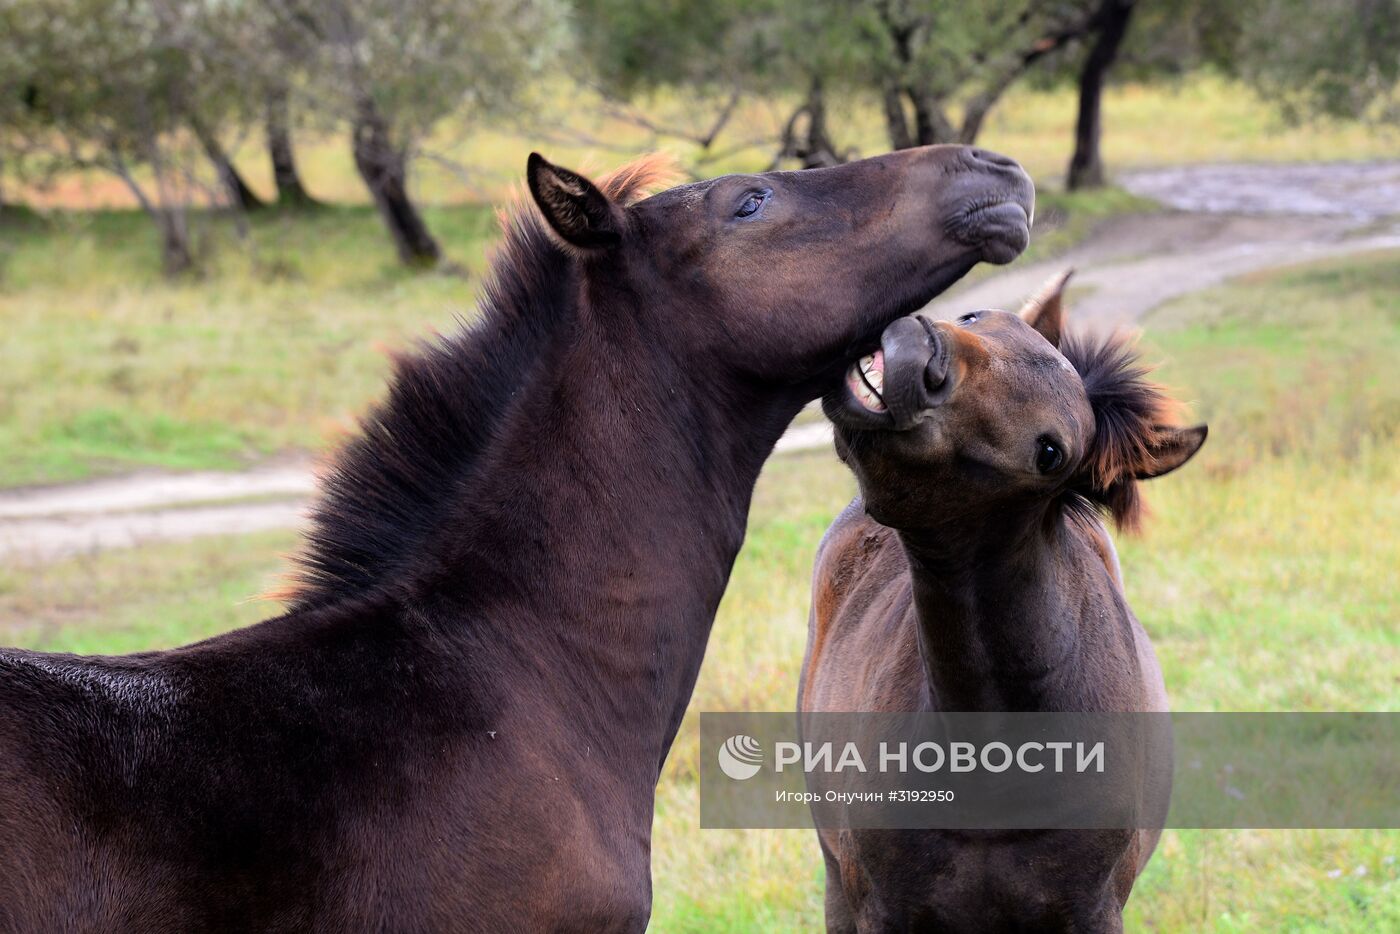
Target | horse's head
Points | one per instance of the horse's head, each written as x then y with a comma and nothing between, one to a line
951,422
779,277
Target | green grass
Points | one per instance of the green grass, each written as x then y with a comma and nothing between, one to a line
1266,579
138,598
105,366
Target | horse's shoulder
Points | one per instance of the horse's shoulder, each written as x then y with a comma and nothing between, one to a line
851,546
851,543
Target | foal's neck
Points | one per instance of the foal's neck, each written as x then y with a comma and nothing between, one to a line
996,626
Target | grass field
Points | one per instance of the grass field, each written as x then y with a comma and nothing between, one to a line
105,366
1266,579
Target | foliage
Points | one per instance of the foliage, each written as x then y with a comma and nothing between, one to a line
392,69
419,61
118,85
924,58
1345,63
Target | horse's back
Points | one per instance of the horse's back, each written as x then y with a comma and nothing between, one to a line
266,780
52,872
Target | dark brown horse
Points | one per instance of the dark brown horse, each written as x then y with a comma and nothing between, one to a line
974,574
508,587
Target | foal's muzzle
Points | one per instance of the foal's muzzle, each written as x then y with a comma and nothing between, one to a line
918,370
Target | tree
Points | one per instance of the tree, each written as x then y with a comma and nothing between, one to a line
213,39
928,58
277,125
106,88
709,54
1109,26
284,47
238,192
1330,58
13,82
394,69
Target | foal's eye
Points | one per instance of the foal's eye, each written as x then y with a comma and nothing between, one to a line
970,317
1048,456
753,203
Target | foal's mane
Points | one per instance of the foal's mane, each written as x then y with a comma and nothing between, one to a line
1129,411
381,494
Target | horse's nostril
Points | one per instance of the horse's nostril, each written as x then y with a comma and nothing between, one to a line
936,370
936,373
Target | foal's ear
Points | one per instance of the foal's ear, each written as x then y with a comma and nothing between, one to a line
577,210
1045,311
1171,448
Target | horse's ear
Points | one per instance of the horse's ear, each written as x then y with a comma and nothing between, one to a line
574,207
1169,449
1045,311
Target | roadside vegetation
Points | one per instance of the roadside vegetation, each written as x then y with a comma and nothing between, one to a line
1265,577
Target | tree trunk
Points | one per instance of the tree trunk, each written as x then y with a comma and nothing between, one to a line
813,147
1086,166
931,125
291,193
821,152
237,190
176,256
384,171
895,120
975,114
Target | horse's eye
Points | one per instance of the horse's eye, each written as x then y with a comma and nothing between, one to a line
752,204
968,318
1048,456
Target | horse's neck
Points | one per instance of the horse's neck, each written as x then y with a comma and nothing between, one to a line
998,618
602,534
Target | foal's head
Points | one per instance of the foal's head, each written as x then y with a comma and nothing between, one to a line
778,277
994,414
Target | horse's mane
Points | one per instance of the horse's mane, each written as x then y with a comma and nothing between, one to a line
1129,409
380,495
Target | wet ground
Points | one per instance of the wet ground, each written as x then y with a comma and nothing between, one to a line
1362,191
1224,220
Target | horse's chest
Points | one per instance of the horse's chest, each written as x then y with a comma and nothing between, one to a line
967,882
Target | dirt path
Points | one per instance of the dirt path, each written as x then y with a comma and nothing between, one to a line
1228,220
